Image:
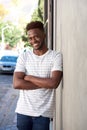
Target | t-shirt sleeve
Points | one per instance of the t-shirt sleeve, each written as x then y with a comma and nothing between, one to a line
58,62
20,66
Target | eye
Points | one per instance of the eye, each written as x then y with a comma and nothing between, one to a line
29,38
36,37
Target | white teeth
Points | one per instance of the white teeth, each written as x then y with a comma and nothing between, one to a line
35,45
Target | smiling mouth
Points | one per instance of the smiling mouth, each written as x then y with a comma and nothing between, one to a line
34,45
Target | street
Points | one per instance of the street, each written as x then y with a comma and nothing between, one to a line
8,100
6,79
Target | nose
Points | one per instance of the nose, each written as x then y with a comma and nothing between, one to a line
33,39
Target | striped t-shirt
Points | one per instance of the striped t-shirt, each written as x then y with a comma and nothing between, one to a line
38,102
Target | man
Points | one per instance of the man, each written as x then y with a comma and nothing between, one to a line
38,73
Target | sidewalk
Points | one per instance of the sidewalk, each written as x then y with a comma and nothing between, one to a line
8,99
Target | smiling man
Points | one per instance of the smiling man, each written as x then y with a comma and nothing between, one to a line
38,73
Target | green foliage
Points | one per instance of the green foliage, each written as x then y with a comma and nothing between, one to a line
36,16
25,39
12,34
38,13
41,9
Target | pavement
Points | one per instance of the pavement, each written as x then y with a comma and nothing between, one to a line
8,100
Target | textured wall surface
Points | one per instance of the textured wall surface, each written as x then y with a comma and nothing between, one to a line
71,39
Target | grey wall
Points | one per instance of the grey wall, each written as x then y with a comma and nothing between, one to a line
70,27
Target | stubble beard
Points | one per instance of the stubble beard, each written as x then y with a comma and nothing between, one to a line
40,47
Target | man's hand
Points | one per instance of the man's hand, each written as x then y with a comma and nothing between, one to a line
19,82
48,83
27,77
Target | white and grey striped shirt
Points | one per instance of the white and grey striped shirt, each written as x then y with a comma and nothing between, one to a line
39,101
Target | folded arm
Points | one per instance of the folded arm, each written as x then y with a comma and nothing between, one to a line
20,83
48,83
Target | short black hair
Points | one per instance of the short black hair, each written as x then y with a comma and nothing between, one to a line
35,24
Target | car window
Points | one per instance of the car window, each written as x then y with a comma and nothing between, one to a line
9,58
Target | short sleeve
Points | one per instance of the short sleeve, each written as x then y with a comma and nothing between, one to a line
58,62
20,66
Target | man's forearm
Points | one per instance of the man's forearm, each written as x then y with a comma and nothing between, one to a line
25,85
44,82
40,82
20,83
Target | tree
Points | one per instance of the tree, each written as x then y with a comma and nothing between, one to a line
12,33
36,16
25,39
38,13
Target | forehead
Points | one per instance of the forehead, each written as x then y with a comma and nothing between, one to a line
35,31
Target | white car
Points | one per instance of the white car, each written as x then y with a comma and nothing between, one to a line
8,59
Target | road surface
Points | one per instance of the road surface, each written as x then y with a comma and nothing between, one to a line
8,100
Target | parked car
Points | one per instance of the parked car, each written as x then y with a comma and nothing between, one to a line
8,59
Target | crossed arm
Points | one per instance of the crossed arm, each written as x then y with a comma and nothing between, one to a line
30,82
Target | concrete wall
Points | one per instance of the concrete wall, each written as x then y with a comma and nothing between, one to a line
70,28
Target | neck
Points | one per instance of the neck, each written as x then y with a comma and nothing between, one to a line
41,51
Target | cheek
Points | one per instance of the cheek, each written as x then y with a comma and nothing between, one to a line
41,40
